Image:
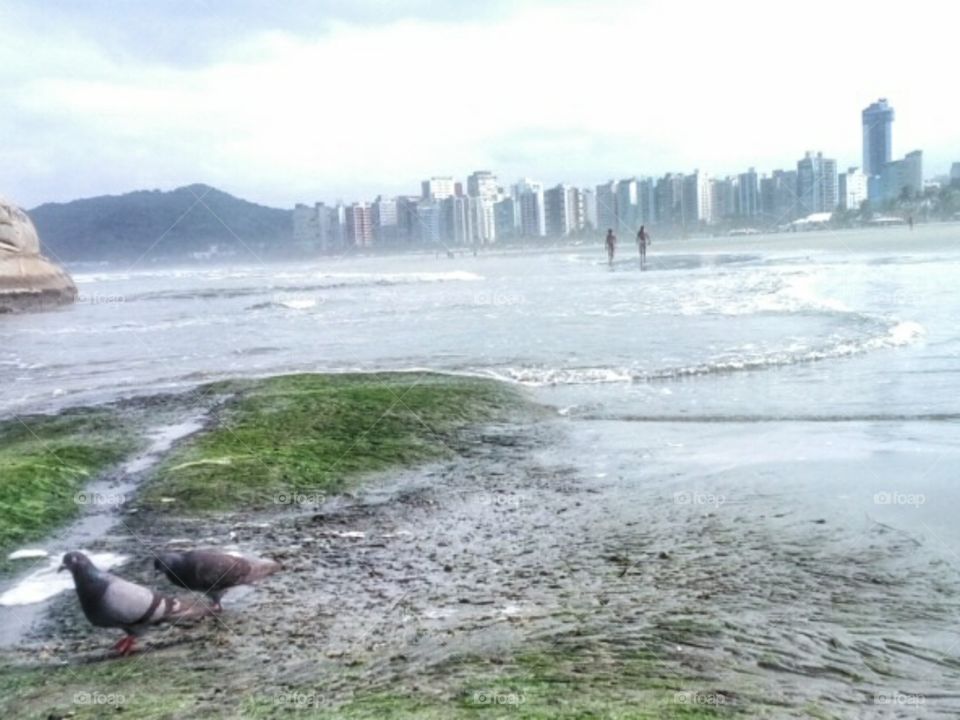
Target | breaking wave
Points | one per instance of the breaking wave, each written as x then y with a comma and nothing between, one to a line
896,335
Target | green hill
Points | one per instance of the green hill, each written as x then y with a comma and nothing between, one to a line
191,221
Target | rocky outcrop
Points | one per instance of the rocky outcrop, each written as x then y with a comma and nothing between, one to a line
28,281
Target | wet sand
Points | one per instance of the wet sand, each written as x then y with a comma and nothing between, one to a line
527,543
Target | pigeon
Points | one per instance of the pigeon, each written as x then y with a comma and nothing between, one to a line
111,601
212,572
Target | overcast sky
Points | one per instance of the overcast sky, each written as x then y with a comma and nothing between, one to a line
344,100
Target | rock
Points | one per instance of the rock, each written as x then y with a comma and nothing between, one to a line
28,281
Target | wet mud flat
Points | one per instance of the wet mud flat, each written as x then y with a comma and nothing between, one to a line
501,583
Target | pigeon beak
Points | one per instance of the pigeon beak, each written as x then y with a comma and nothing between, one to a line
61,568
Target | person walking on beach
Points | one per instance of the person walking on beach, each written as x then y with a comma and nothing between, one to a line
611,246
643,239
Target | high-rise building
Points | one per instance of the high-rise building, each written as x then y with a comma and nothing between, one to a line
456,224
778,197
484,192
725,198
589,199
408,224
483,184
748,194
816,184
438,188
606,199
338,227
901,178
646,201
504,218
851,189
670,199
429,222
955,174
626,205
384,216
696,202
306,234
877,136
564,208
359,225
529,197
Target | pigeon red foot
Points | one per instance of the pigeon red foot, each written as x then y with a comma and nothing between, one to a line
125,645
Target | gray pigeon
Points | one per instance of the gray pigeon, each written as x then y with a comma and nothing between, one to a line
111,601
212,572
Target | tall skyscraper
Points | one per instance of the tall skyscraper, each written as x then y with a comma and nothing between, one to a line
748,194
816,184
877,136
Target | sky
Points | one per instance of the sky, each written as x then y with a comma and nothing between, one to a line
293,102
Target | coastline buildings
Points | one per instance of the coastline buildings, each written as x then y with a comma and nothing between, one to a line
696,201
877,136
816,184
479,211
778,197
852,189
606,199
483,191
748,194
528,196
358,227
902,178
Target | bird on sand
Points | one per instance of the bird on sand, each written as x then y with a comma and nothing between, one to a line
110,601
212,572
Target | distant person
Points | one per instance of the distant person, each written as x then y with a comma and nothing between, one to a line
643,239
910,221
611,246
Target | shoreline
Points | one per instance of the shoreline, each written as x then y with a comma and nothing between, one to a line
499,575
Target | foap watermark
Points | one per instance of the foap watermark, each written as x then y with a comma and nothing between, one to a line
497,697
895,697
299,699
498,499
685,497
92,497
292,497
98,299
899,498
95,697
700,699
499,299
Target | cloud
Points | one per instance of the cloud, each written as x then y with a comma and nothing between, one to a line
302,104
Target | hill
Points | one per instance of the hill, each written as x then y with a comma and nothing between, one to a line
190,221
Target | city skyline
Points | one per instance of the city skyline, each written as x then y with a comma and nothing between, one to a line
318,99
482,211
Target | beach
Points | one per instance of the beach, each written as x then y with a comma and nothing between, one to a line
722,487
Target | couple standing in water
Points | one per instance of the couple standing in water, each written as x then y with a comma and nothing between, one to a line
643,239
